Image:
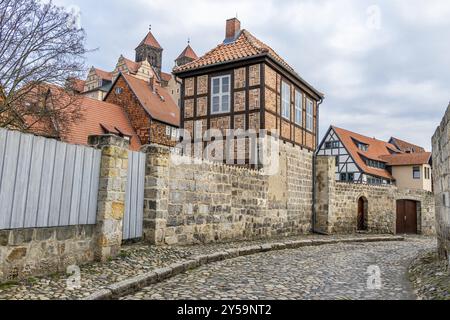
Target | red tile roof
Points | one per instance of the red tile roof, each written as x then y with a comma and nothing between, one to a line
408,159
406,146
103,74
132,66
98,117
166,76
94,117
376,151
244,46
157,103
188,52
150,40
77,84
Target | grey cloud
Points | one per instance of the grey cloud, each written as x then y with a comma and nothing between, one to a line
391,81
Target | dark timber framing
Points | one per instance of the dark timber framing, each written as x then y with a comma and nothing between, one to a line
282,74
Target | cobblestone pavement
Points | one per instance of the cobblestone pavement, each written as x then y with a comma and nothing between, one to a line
133,260
337,272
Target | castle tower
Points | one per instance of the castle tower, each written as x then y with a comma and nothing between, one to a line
188,55
149,49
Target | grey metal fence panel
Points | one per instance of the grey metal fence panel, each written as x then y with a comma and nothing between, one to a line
46,183
134,199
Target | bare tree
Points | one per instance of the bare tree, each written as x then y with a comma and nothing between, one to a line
41,46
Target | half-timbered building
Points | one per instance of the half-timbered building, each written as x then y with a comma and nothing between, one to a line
361,159
244,84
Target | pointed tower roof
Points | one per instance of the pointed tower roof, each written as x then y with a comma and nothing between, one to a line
150,40
188,52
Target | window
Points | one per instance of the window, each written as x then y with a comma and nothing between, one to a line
119,90
373,180
174,134
168,131
220,94
375,164
332,145
309,115
285,100
298,107
348,177
363,147
416,173
427,173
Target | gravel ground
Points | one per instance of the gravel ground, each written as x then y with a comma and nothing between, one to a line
133,260
430,277
329,272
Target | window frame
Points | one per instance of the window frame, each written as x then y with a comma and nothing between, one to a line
298,107
309,115
221,94
284,115
415,170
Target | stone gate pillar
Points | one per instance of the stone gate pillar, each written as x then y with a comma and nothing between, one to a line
111,194
156,193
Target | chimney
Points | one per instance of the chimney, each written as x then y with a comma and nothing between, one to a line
232,29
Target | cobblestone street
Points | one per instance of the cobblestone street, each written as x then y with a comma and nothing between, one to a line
326,272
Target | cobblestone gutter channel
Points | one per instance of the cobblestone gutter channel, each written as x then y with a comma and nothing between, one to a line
134,284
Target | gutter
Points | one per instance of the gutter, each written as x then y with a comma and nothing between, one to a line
314,169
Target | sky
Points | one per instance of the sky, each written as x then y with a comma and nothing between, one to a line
383,66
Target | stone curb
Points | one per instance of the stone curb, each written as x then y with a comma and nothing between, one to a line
131,285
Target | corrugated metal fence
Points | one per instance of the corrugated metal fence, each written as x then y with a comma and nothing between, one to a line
134,200
46,183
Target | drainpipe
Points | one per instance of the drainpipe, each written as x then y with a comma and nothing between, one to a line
314,214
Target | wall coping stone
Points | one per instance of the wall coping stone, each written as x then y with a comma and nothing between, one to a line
136,283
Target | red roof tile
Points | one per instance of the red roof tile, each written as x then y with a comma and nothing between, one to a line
166,76
150,40
103,74
245,46
188,52
132,66
377,149
406,146
77,84
408,159
96,116
157,103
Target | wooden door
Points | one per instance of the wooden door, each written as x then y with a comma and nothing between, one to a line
361,215
406,217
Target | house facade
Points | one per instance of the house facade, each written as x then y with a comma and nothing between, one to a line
97,83
361,159
153,114
244,84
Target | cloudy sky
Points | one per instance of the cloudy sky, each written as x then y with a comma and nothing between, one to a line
384,66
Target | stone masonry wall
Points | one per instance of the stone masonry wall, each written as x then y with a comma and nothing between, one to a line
205,202
337,204
30,252
441,183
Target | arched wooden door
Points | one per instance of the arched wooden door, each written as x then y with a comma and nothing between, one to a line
362,214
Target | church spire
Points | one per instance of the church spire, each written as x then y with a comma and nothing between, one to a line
187,55
149,49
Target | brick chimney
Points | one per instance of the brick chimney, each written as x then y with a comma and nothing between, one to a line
232,29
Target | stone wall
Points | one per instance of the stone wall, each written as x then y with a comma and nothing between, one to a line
205,202
337,204
441,183
30,252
